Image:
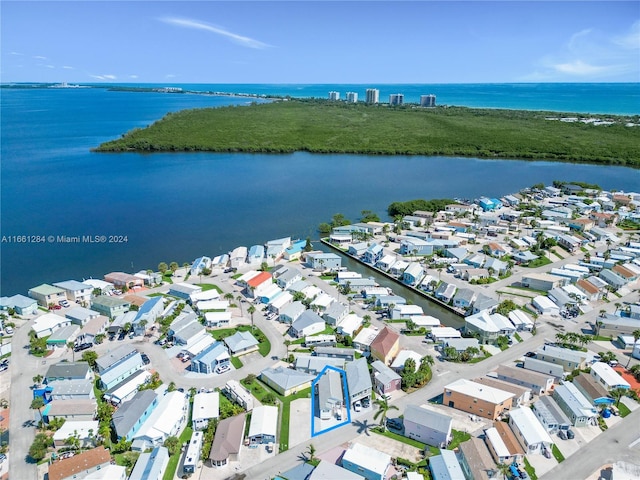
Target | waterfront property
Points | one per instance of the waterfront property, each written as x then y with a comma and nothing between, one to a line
109,306
47,295
77,292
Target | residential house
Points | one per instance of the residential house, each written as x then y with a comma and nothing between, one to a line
109,306
385,346
537,382
286,276
521,320
294,252
93,328
286,381
503,444
522,395
151,465
347,354
445,466
121,371
385,379
263,425
478,399
206,406
541,281
349,324
574,404
547,368
365,337
373,254
488,326
22,305
227,442
166,420
291,312
313,364
413,274
77,292
358,380
545,306
121,279
184,290
211,358
70,410
217,319
71,389
241,342
406,312
461,344
237,393
80,465
445,292
131,415
592,389
46,324
329,471
529,431
475,460
147,314
258,284
307,324
114,357
441,334
80,315
608,377
324,261
569,359
85,431
335,313
484,303
427,426
46,295
366,461
550,414
613,279
68,371
61,337
464,297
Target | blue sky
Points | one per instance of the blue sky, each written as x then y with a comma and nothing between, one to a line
320,42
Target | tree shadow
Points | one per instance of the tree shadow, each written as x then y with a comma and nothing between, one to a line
363,426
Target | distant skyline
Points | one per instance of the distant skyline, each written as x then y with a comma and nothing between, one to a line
319,42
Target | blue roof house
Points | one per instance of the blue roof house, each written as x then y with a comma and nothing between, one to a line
373,254
147,314
130,416
412,274
256,255
210,358
487,204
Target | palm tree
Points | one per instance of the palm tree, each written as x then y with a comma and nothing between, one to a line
173,266
251,311
636,337
383,407
428,359
228,296
504,469
617,394
311,451
37,404
38,379
239,298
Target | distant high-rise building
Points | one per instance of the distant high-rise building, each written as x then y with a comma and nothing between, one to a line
352,97
396,99
373,95
428,100
334,96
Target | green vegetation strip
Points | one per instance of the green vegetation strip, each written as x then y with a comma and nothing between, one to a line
333,127
169,473
557,454
458,437
623,409
530,470
394,436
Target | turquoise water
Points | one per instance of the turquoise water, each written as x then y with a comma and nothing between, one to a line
176,207
612,98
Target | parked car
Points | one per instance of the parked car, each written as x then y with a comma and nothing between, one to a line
145,358
394,423
222,368
366,403
562,434
357,406
570,434
64,303
186,358
9,330
122,335
82,346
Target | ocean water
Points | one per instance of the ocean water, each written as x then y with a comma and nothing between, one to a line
612,98
178,206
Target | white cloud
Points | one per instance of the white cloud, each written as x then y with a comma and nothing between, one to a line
198,25
591,54
133,76
110,77
15,53
67,67
103,77
39,57
170,75
50,66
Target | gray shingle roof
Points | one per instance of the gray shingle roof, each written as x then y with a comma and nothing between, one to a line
358,378
286,378
423,416
68,370
129,412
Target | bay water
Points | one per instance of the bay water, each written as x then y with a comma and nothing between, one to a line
178,206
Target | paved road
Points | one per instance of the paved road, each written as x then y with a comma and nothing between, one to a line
610,446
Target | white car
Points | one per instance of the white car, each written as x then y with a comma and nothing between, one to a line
222,368
64,303
9,330
357,406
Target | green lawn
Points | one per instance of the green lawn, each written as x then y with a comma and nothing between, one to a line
175,459
530,470
458,437
400,438
538,262
518,337
557,454
264,347
236,362
209,286
623,409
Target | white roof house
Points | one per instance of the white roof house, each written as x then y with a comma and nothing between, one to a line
528,430
45,324
608,377
206,405
349,324
479,391
165,421
443,333
545,306
364,339
403,356
82,429
499,447
426,321
200,345
211,294
264,424
369,459
406,311
127,388
213,305
520,320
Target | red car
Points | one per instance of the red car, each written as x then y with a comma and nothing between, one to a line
55,307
